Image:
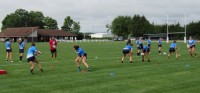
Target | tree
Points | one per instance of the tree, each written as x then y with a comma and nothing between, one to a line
76,27
68,22
22,18
119,26
50,23
37,19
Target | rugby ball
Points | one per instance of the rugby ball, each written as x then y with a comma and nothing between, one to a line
188,46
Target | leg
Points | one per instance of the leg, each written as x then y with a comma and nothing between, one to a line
84,62
168,55
32,66
147,56
40,66
10,54
124,55
176,55
77,63
131,57
7,55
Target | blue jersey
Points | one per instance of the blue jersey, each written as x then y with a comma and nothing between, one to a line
31,51
148,41
21,45
138,42
128,47
160,42
173,45
191,42
145,47
8,45
80,52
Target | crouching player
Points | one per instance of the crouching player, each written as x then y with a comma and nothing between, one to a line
128,50
172,49
145,52
31,57
81,56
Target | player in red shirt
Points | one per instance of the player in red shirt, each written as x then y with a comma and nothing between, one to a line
53,45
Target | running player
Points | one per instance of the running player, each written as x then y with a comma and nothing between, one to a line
172,49
149,43
81,55
31,57
128,50
145,52
191,47
21,49
53,45
8,50
160,45
139,42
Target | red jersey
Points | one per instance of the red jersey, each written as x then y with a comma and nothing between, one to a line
53,44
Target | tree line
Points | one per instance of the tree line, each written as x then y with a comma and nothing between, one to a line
138,25
24,18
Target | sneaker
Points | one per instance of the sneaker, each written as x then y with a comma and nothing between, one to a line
41,70
142,60
11,61
20,61
79,69
88,69
6,60
148,60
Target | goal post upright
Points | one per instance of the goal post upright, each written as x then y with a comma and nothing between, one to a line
185,38
167,30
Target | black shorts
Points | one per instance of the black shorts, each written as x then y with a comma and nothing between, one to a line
8,50
53,51
125,51
84,55
31,59
160,45
149,45
193,46
146,50
21,50
171,50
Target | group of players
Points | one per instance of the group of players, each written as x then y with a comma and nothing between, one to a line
82,55
128,49
32,52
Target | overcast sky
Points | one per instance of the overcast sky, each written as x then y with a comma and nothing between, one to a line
93,15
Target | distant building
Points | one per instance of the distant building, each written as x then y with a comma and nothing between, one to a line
33,34
102,35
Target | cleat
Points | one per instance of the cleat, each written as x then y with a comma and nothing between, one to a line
88,69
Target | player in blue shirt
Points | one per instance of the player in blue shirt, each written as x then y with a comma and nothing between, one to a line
81,55
139,42
32,51
172,49
191,47
128,50
8,50
21,49
160,45
149,43
145,52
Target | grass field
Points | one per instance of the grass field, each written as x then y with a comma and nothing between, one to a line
108,74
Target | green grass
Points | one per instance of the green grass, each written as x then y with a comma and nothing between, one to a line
108,74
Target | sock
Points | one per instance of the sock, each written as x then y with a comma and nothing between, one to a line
32,71
20,58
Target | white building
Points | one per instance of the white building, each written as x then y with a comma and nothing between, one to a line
102,35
